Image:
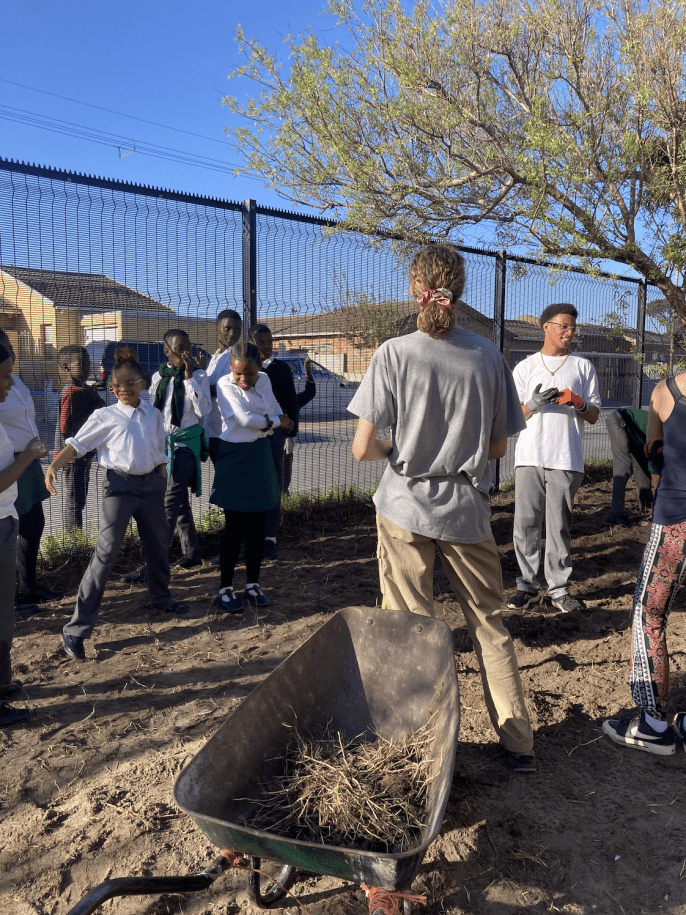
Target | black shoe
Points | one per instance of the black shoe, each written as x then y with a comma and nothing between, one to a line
138,575
38,595
187,562
522,762
171,606
73,647
216,561
522,600
13,688
24,611
619,520
10,716
270,549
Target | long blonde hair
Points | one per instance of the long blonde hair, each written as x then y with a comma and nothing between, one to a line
437,267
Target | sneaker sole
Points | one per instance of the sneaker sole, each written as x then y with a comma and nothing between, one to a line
638,743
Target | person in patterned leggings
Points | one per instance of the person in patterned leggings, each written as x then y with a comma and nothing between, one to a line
662,568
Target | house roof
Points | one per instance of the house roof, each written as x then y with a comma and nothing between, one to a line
91,292
353,318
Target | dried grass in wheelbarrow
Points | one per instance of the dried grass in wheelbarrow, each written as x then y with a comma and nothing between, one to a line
370,795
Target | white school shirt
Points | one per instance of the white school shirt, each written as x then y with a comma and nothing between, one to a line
196,403
18,415
128,439
243,412
8,496
220,365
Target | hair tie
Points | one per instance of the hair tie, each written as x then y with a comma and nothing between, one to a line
443,297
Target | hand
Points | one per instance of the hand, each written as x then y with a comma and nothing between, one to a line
36,448
308,369
50,479
287,423
162,470
540,398
654,452
188,363
569,398
200,361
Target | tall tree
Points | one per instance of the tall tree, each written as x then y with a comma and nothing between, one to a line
559,124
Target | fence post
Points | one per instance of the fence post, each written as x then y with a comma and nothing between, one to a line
499,328
249,241
640,339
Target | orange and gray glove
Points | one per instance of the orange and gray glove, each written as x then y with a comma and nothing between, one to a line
570,399
540,398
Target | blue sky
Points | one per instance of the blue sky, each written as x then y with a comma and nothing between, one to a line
165,62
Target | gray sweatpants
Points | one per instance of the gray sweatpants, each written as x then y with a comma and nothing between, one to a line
125,497
177,505
9,529
549,494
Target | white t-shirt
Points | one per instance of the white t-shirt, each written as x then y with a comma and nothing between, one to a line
553,434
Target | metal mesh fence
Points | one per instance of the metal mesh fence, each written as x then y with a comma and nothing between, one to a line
93,262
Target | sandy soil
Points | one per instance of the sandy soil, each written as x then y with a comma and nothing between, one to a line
86,788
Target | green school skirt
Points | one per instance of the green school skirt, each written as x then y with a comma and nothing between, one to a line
245,477
31,487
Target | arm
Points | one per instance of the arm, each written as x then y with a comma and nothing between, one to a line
198,393
661,405
35,449
366,446
496,450
66,456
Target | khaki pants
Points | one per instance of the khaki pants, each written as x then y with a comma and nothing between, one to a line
406,563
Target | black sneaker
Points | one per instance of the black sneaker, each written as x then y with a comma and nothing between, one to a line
568,604
637,734
679,725
73,647
138,575
270,549
620,520
38,595
10,716
522,600
12,690
187,562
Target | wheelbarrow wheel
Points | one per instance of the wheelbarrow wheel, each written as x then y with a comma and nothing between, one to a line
274,888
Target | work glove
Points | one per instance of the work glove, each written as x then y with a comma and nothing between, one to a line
569,399
540,398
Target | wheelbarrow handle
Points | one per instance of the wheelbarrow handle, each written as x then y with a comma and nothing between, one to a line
143,886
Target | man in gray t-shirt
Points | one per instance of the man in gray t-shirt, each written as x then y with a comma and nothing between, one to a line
450,402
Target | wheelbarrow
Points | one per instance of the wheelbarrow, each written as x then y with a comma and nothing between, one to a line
364,672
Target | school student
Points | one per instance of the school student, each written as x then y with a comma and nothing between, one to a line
77,401
180,390
129,437
11,469
281,379
18,417
245,482
229,328
303,397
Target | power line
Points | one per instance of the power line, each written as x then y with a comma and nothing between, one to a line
110,111
104,138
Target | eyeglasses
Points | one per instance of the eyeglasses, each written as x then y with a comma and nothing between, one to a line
562,327
126,385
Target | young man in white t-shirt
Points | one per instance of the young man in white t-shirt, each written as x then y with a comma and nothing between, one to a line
558,391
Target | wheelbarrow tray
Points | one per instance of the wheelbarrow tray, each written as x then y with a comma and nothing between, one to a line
365,671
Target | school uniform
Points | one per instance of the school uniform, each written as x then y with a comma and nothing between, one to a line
186,446
9,528
78,401
245,482
130,445
18,416
281,379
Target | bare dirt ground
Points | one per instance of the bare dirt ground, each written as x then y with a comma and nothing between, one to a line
86,788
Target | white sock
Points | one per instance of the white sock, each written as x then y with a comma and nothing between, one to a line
655,723
251,584
273,539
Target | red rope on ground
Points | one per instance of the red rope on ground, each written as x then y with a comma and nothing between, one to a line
387,902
